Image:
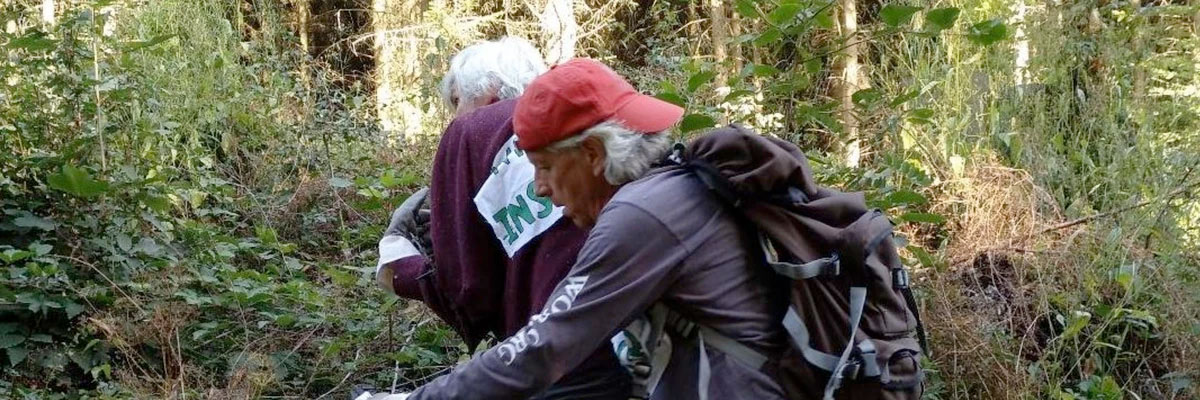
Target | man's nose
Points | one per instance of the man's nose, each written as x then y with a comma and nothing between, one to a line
541,189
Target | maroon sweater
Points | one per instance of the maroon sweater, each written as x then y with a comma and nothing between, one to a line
475,286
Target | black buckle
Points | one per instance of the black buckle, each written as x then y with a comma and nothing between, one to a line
851,370
900,279
835,267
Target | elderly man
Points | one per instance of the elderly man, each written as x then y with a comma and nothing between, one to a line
498,249
658,237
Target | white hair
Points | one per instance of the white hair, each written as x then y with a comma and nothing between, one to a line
630,154
506,66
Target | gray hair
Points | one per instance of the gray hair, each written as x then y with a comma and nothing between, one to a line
630,154
506,65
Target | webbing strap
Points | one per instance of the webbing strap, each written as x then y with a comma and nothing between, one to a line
705,370
827,266
858,298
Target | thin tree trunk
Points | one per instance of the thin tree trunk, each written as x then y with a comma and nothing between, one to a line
693,28
720,36
1139,73
383,55
48,12
848,77
560,31
1020,47
735,25
303,11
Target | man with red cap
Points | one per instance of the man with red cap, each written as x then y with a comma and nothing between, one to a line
659,242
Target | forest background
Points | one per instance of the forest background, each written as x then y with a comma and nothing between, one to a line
191,191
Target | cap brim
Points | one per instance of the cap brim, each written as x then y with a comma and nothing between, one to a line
648,114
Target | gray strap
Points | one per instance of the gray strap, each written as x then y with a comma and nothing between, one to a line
732,348
858,298
799,333
828,266
705,370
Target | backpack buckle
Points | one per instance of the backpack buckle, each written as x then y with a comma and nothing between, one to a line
900,278
851,370
834,268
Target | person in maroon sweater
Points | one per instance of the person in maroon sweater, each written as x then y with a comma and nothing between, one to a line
497,250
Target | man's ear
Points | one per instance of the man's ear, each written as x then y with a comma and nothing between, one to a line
594,152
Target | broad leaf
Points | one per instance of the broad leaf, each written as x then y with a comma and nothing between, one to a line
699,79
987,32
33,221
77,182
693,122
866,98
771,35
784,13
746,8
16,355
340,183
903,197
940,19
895,15
672,98
9,341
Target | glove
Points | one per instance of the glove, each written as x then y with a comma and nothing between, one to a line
411,219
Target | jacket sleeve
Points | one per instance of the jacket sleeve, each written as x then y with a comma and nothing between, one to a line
627,263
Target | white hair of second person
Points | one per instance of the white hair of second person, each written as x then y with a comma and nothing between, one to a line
506,65
629,154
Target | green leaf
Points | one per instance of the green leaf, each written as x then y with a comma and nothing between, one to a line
672,98
8,341
784,13
928,218
763,70
77,182
737,94
746,8
907,197
699,79
156,203
895,15
824,18
340,183
41,338
904,98
866,98
939,19
33,221
693,122
771,35
988,32
16,355
142,44
923,257
32,41
1079,320
923,113
12,255
73,309
40,249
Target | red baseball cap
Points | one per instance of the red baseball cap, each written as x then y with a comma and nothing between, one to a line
579,94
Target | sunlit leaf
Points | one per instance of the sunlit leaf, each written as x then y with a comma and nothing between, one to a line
904,98
693,122
940,19
340,183
746,8
987,32
907,197
784,13
77,182
672,98
895,15
737,94
699,79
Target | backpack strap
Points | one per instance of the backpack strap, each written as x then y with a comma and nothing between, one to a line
686,330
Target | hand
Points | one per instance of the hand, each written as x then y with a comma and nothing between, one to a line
411,218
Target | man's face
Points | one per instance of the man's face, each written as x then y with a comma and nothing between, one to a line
574,179
464,106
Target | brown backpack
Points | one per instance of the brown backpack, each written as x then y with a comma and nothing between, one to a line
847,278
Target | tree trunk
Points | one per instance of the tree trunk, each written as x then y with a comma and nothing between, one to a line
735,25
848,81
720,37
1139,73
48,12
302,17
1020,47
560,31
